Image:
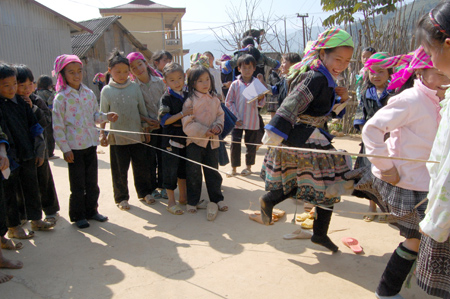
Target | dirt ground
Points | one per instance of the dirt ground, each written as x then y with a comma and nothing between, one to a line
147,252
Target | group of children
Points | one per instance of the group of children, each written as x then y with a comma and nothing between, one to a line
166,129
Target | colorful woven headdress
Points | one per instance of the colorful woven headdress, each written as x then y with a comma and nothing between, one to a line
407,64
199,59
60,63
331,38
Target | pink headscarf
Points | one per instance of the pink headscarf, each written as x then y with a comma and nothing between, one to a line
60,63
408,62
137,55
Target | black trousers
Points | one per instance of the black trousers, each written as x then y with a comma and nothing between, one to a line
25,175
138,155
83,178
3,226
50,140
49,198
251,136
174,167
213,179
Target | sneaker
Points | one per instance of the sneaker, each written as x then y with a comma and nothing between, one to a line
164,194
156,194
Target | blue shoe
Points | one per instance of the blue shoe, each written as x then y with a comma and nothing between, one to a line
82,223
156,194
398,296
164,194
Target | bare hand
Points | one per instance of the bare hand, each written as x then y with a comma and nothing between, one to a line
209,133
103,140
153,124
239,123
391,176
68,157
28,101
261,96
342,92
112,116
216,130
227,84
39,161
188,110
4,163
261,78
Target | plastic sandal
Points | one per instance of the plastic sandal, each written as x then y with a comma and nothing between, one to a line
298,234
308,223
222,206
175,210
211,211
353,244
123,205
246,172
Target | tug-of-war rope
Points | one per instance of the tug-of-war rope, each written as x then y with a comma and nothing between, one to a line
333,152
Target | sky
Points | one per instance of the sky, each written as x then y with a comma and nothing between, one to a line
204,16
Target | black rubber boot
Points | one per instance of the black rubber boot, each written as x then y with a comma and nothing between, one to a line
268,201
396,271
320,229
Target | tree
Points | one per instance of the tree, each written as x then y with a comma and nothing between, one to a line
346,9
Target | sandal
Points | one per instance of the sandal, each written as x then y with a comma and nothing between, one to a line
202,204
10,245
257,218
303,216
164,194
231,173
246,172
52,218
123,205
211,211
278,213
175,210
222,206
308,223
19,233
298,234
149,199
41,225
191,209
369,218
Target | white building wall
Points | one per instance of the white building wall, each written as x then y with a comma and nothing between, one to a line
31,35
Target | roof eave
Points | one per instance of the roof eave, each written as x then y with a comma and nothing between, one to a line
142,10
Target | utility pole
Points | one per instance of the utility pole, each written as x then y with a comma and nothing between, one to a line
304,29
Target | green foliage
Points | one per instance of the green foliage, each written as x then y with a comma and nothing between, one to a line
345,9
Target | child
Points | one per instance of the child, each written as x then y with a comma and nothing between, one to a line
374,96
49,198
170,115
216,75
75,113
46,92
365,55
412,118
433,267
206,122
247,115
298,123
152,88
160,59
25,134
281,88
125,96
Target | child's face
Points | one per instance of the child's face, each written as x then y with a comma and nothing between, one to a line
379,77
139,69
285,65
120,72
73,74
203,83
365,56
210,59
337,61
162,63
247,71
25,89
435,79
8,87
175,81
440,55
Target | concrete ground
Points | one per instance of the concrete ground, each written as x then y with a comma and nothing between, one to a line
149,253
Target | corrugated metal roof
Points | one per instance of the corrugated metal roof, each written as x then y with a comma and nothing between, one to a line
81,43
147,4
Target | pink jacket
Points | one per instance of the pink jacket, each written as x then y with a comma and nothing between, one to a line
412,118
207,114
